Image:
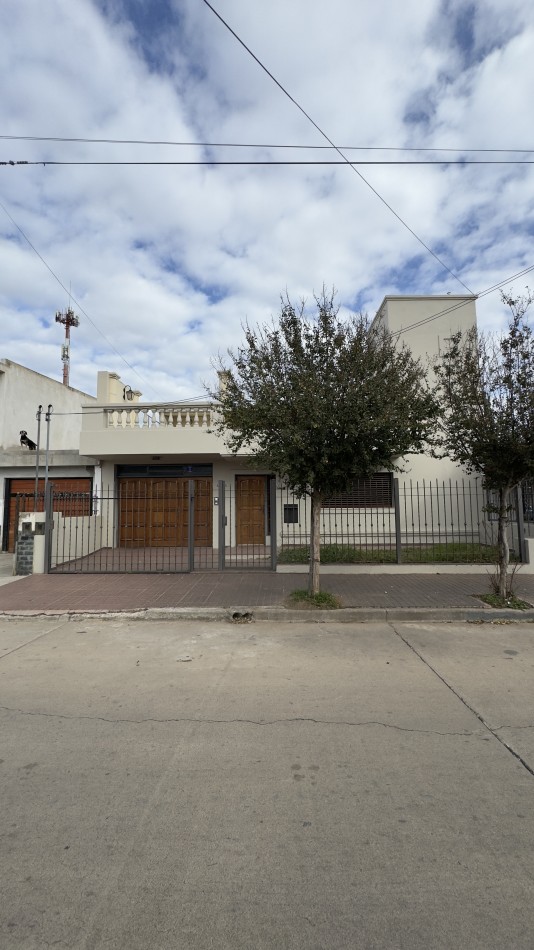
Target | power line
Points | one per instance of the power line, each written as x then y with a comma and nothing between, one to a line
326,161
346,148
463,303
71,297
337,149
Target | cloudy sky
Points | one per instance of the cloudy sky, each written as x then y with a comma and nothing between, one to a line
165,262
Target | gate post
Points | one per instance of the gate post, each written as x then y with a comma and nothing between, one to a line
49,525
396,503
222,524
272,526
191,527
520,524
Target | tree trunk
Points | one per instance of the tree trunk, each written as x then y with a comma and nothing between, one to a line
315,542
502,540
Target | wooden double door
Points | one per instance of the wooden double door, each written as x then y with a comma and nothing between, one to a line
154,512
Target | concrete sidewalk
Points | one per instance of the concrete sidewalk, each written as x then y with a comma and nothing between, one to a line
252,590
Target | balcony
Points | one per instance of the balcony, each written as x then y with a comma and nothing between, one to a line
130,431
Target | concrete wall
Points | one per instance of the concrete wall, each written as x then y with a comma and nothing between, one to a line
22,391
449,314
75,537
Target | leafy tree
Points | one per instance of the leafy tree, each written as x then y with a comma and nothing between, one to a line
486,389
321,401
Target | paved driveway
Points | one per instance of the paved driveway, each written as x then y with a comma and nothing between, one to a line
187,785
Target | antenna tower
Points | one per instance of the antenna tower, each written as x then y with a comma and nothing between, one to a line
68,319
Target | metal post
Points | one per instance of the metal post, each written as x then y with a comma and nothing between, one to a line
396,502
47,420
191,526
222,524
37,452
274,539
520,524
49,526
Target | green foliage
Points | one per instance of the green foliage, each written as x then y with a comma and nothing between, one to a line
452,553
510,601
321,401
486,389
321,600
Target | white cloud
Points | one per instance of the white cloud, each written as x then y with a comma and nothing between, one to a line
169,261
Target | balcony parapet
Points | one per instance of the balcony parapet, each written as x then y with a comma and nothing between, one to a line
116,430
158,416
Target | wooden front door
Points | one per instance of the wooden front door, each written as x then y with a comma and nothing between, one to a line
250,509
154,512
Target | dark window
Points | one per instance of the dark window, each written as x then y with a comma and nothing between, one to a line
194,470
373,492
291,514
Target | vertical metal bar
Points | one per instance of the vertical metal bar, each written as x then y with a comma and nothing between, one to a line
221,524
396,504
49,526
37,456
191,526
520,524
273,525
47,420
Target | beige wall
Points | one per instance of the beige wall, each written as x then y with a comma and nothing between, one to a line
22,391
449,313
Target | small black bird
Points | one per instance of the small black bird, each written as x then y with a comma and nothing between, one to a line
25,440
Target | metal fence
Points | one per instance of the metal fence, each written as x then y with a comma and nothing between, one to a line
162,526
412,522
197,524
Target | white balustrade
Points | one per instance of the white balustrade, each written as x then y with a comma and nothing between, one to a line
143,416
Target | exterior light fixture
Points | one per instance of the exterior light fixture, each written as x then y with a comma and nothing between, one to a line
127,393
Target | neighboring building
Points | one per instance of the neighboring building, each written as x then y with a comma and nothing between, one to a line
425,324
21,392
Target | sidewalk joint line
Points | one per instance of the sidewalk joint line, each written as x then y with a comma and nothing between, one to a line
38,637
459,696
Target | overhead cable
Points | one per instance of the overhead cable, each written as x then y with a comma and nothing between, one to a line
346,148
337,149
71,297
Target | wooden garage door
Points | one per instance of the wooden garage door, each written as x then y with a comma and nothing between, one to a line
154,512
250,508
79,503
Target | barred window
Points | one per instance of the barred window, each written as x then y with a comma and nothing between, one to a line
373,492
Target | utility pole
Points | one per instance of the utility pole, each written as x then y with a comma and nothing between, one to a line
68,319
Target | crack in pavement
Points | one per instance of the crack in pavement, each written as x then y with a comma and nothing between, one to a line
250,722
467,705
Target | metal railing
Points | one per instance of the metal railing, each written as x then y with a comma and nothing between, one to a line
420,522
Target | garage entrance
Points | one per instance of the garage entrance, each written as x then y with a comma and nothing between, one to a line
154,512
165,524
72,497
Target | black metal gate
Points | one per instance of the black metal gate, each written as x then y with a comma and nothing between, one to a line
156,526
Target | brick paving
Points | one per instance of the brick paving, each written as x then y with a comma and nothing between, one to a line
241,589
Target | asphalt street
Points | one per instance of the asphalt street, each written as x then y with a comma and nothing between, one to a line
202,785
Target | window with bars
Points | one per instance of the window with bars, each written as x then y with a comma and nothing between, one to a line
376,491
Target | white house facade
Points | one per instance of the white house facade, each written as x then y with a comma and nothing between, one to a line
152,453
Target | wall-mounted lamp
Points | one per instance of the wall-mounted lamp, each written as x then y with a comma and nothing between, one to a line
127,393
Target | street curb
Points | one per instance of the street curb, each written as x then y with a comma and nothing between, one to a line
279,614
